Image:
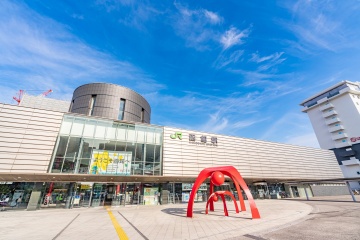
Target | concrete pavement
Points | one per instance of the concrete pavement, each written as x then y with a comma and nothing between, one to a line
149,222
322,218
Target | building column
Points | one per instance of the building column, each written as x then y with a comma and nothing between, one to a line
35,197
306,193
70,196
351,192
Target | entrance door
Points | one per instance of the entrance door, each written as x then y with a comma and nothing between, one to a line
98,197
110,192
133,194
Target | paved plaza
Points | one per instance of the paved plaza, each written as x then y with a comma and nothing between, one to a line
280,219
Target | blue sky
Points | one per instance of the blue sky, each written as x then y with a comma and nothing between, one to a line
238,68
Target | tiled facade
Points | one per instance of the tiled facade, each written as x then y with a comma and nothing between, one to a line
107,102
27,138
253,158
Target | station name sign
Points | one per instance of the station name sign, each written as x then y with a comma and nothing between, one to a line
354,139
198,140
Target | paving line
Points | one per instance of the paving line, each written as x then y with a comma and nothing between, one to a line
120,232
57,235
134,227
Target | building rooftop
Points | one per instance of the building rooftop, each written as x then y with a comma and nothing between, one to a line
328,89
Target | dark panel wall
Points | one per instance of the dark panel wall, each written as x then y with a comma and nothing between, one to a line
343,154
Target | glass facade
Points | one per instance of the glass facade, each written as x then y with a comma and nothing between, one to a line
97,146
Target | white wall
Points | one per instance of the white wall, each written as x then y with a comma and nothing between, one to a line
27,138
42,102
321,129
347,107
254,159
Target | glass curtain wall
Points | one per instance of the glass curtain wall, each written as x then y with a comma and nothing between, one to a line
92,146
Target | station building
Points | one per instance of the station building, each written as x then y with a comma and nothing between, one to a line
103,150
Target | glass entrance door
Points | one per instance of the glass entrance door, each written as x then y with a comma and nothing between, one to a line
133,193
98,196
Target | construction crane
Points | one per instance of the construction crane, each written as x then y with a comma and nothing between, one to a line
21,93
44,94
18,99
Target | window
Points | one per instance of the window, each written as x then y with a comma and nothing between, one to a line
121,109
340,132
336,125
142,115
71,105
343,140
92,105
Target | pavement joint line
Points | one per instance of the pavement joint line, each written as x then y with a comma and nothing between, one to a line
57,235
137,230
119,230
254,237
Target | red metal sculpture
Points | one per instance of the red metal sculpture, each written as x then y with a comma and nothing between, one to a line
214,197
217,178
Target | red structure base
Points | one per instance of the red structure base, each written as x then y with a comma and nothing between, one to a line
221,194
235,176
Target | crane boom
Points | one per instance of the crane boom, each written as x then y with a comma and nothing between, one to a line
20,95
18,99
46,93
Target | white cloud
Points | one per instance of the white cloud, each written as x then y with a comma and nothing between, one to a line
213,17
134,14
293,128
77,16
38,52
233,36
196,26
304,139
215,124
321,25
248,123
267,62
223,60
255,57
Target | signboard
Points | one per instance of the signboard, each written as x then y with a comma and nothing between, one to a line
85,187
110,162
185,197
354,139
198,140
151,196
189,186
77,200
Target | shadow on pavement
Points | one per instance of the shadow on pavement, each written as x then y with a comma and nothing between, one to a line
318,200
181,212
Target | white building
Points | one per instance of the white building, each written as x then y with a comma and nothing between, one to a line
109,154
335,116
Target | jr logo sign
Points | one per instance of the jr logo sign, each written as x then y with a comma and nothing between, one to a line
176,135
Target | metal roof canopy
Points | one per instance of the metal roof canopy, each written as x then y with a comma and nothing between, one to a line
61,177
330,180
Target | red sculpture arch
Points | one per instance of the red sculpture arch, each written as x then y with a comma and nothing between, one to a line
235,176
222,194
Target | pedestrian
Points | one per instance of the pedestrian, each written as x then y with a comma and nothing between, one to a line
18,201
